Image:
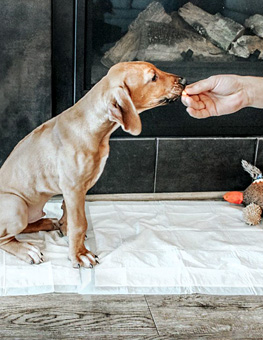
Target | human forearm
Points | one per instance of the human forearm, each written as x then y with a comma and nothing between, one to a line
253,91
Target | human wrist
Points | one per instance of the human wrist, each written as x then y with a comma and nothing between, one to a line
253,89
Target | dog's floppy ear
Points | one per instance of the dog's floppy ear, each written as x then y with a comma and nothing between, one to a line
122,111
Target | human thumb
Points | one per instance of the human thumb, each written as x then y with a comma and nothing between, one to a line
200,86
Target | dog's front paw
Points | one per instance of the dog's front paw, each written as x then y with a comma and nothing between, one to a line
84,259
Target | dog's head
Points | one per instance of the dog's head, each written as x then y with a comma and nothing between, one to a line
139,86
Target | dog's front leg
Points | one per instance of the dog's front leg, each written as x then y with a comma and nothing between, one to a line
76,230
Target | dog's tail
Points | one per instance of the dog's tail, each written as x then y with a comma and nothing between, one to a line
254,172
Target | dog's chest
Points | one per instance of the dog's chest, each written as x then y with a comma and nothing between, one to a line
99,169
89,166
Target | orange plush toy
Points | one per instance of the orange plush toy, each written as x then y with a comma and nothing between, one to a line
252,197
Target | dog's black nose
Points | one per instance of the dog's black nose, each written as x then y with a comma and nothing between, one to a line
182,81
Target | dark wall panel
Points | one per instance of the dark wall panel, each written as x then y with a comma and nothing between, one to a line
130,167
25,71
203,164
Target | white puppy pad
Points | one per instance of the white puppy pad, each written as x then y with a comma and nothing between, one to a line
166,247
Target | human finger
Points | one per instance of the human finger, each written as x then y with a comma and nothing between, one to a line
193,101
199,114
200,86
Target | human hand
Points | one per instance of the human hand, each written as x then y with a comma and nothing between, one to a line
217,95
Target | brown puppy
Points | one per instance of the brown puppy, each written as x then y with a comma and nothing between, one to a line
66,155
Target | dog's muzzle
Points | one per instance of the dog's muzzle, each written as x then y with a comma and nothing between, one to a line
176,92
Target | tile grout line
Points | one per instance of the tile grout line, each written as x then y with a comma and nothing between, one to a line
151,315
156,165
256,151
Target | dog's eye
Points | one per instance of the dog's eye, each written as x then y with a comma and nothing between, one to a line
155,77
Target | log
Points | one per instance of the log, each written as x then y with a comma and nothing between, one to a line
127,47
221,31
247,45
176,41
154,12
255,23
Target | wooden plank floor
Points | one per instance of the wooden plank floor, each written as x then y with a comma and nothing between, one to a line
72,316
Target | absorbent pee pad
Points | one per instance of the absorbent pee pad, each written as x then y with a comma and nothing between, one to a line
159,247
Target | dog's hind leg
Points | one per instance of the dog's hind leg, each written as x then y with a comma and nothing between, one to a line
44,224
13,220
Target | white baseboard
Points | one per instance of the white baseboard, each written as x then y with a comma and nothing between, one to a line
211,195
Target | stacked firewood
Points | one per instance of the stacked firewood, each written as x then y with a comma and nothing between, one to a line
189,34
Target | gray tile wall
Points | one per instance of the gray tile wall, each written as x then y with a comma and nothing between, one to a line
25,69
148,165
